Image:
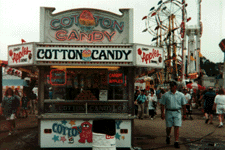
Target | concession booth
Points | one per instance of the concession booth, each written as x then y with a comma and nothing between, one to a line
86,62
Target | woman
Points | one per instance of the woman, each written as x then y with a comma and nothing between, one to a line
10,104
18,114
25,101
146,103
135,103
152,104
140,100
219,104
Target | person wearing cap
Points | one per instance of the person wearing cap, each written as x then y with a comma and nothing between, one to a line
208,104
172,102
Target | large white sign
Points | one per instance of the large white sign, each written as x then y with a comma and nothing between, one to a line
147,56
78,133
20,54
84,54
86,26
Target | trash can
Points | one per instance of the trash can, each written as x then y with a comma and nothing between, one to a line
104,134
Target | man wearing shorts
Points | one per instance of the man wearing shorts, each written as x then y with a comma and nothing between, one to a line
172,102
208,104
220,106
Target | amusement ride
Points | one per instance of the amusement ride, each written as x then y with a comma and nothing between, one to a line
167,24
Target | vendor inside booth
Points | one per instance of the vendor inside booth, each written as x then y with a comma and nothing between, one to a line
86,62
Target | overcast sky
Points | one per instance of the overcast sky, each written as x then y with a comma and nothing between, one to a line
20,19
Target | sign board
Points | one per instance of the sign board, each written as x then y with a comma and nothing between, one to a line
86,26
84,54
222,45
91,108
148,56
67,133
73,108
105,108
103,95
115,78
58,77
20,54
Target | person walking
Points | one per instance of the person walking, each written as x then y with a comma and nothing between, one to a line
219,104
172,102
25,101
33,101
135,103
152,102
18,112
146,104
188,106
10,104
208,104
140,100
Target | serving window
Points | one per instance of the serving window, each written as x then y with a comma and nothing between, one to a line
86,84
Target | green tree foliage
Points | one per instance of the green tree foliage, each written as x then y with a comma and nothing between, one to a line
211,68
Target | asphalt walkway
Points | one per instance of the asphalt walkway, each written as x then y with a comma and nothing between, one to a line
151,134
194,134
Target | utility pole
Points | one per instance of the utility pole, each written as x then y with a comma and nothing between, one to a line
184,48
2,64
198,40
222,47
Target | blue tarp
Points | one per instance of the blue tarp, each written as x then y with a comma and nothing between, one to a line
12,82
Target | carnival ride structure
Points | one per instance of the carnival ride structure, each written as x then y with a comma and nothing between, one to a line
166,24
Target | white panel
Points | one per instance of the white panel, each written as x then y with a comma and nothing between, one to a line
20,54
86,26
63,130
147,56
84,54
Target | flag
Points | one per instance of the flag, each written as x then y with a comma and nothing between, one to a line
23,41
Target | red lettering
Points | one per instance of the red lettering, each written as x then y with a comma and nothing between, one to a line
147,57
17,56
116,81
94,36
109,137
61,35
115,75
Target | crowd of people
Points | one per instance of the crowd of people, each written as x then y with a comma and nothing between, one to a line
14,106
176,104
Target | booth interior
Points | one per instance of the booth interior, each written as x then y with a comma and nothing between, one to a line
87,89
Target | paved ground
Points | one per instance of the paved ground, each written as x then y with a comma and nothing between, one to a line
194,134
149,134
